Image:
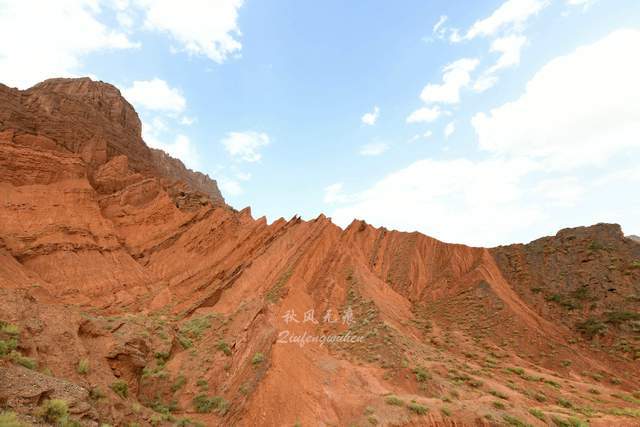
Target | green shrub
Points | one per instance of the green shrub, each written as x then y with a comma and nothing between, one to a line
591,327
513,421
498,394
120,388
394,400
258,358
96,394
498,405
224,347
204,404
446,412
25,361
180,381
83,367
7,346
54,411
10,419
203,385
565,403
9,328
417,408
421,374
537,413
569,422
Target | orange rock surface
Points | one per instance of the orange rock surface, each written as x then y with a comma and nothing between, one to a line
131,291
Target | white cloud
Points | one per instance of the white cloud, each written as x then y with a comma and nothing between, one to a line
201,27
485,82
449,129
425,135
180,148
436,197
334,194
425,115
229,187
456,76
562,154
585,4
373,149
245,146
563,191
509,48
511,15
579,109
187,120
155,95
371,118
41,39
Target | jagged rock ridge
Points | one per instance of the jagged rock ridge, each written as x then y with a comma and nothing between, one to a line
135,299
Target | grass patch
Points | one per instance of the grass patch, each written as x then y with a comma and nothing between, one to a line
54,411
626,412
274,294
83,366
25,361
10,419
537,413
513,421
120,388
224,347
422,374
180,381
394,400
193,329
591,328
498,405
257,359
9,328
569,422
417,408
205,404
498,394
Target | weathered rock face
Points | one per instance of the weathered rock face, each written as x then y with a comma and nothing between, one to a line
93,120
136,299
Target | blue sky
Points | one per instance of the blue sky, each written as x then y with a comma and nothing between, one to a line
480,122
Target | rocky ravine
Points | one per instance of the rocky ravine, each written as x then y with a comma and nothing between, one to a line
133,295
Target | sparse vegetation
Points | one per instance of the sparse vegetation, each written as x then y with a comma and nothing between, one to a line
96,394
9,328
10,419
513,421
180,381
274,294
83,366
54,411
192,330
568,422
224,347
205,404
498,405
417,408
537,413
257,359
25,361
422,374
121,388
394,400
498,394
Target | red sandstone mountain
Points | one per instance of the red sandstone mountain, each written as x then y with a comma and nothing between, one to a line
134,294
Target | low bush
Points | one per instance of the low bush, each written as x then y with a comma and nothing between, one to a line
120,388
